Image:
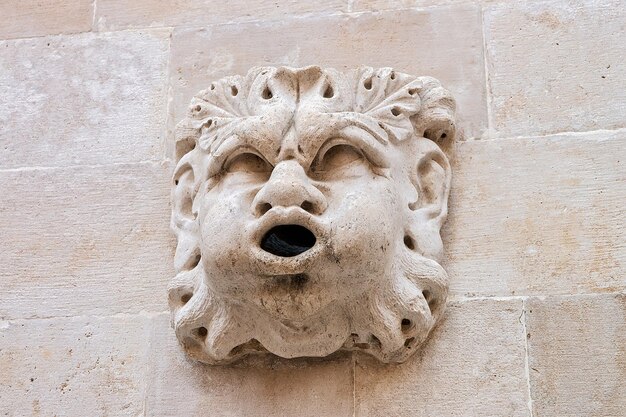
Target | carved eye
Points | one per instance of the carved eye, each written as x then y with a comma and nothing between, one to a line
336,157
248,163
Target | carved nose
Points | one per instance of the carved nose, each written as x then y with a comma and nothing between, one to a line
289,186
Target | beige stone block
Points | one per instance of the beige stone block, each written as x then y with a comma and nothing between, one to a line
83,99
73,366
410,41
264,386
378,5
577,349
25,18
85,241
556,66
538,216
474,365
121,14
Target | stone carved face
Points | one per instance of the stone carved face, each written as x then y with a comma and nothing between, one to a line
307,205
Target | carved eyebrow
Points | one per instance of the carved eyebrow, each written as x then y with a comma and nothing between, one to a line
371,146
357,123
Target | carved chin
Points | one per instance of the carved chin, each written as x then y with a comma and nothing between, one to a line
389,322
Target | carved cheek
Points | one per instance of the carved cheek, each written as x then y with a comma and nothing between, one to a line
232,194
365,220
222,227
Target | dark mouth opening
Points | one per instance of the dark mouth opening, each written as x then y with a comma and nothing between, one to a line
288,240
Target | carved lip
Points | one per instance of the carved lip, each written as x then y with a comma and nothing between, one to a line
277,220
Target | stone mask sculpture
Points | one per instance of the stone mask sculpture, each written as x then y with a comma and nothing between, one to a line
308,204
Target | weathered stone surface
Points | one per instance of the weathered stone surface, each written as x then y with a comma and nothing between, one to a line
473,366
410,41
23,18
83,99
267,386
120,14
307,204
78,366
577,349
538,216
379,5
84,240
556,66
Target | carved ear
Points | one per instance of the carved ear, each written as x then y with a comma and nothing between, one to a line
431,177
433,186
183,220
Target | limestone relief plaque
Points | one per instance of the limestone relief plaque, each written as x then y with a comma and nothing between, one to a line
308,205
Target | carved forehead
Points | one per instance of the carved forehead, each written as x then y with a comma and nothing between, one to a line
266,102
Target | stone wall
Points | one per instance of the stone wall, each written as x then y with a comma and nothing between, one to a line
536,238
